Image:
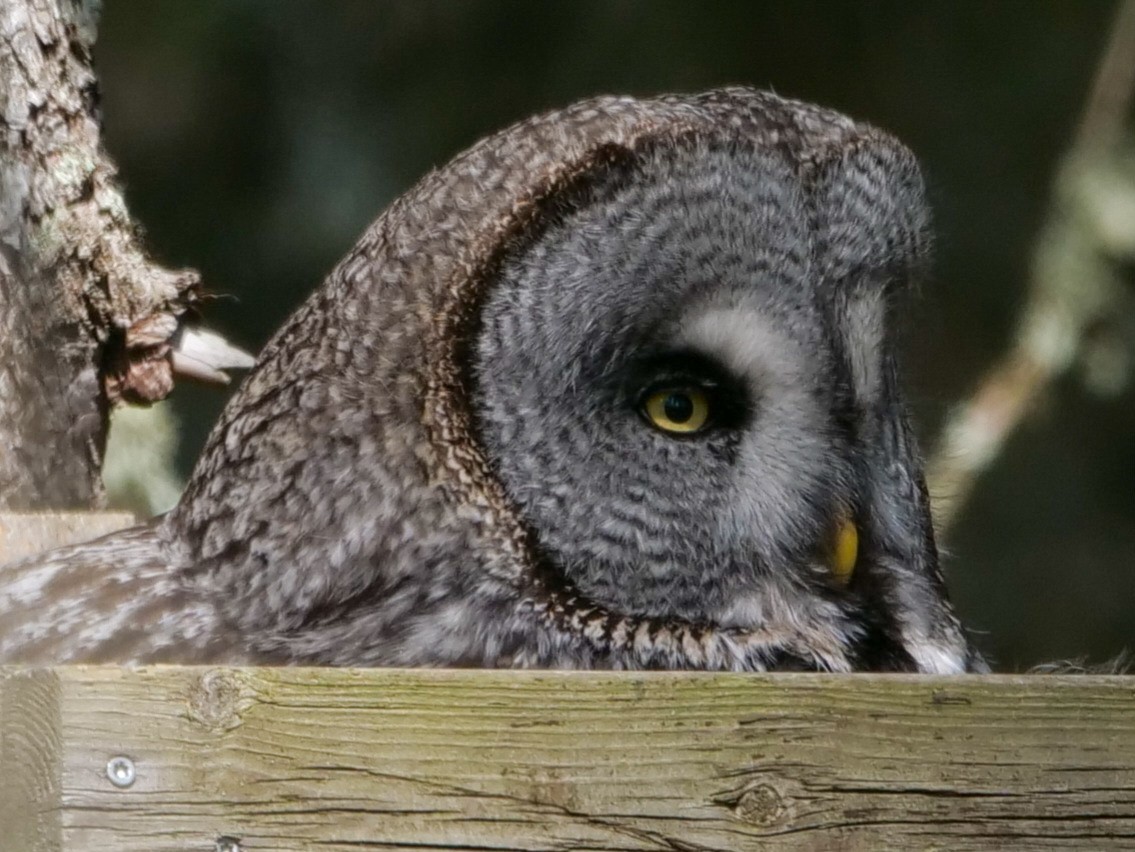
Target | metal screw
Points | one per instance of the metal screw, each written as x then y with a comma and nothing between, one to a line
227,844
120,771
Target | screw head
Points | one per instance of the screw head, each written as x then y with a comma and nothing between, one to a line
227,844
120,771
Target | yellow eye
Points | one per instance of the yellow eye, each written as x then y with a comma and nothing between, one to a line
845,551
682,410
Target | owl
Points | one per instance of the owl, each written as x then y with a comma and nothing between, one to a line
615,388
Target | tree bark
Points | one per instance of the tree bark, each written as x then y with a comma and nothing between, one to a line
86,318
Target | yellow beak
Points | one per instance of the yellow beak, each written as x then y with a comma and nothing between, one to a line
845,551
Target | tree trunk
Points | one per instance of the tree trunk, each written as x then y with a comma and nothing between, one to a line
85,317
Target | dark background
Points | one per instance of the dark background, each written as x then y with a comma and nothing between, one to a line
257,139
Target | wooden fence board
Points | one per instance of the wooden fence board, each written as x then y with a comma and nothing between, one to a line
334,759
24,534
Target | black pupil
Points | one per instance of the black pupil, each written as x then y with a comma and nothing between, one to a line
678,407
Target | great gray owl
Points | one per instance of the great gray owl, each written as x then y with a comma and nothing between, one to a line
614,388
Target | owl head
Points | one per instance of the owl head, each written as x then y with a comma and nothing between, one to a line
615,387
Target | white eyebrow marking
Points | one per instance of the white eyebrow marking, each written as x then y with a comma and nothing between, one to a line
790,453
746,342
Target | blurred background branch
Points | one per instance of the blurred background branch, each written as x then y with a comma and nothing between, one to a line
1079,307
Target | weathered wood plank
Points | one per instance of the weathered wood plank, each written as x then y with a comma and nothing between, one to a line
330,759
30,761
24,534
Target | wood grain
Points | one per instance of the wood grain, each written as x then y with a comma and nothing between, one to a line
335,759
30,761
24,534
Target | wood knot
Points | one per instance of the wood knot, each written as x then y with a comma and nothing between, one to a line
760,804
215,700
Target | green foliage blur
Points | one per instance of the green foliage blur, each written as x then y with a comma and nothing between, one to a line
257,138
